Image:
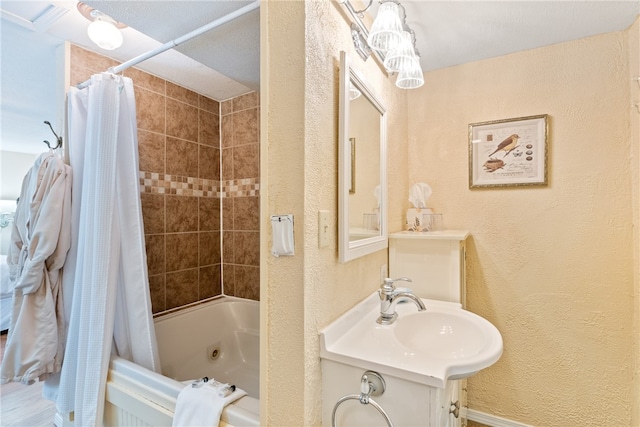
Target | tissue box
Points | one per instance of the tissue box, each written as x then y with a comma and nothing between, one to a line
414,219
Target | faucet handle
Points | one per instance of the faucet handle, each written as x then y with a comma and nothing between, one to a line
389,286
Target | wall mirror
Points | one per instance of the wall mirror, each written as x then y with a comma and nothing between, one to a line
362,184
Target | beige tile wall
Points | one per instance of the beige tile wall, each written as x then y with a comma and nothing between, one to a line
182,188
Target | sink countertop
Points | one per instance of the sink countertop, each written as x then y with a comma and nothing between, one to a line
356,339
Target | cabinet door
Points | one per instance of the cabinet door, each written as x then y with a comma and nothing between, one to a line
448,405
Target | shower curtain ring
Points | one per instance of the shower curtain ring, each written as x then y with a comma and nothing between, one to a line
112,70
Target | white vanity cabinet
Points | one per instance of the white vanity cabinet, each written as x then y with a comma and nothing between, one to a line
407,403
424,369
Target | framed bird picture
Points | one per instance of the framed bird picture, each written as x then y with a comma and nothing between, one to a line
509,152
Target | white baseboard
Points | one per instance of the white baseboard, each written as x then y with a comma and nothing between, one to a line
491,420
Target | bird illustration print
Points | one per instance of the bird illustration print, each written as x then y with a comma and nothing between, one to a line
508,145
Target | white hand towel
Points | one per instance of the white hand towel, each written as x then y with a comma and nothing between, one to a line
202,406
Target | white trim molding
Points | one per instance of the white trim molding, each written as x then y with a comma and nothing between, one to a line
491,420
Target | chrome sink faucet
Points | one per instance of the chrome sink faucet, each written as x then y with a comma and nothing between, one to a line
389,298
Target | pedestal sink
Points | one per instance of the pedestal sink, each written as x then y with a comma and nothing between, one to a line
444,342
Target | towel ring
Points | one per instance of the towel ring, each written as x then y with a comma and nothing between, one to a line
371,383
357,397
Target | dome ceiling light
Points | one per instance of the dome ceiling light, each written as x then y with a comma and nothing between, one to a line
104,31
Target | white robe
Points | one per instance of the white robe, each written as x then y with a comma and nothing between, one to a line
40,239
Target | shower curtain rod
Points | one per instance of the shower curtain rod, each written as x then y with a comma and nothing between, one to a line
177,41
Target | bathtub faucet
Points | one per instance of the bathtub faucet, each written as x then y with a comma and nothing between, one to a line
389,298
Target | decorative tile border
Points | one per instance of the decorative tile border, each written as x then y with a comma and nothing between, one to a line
241,188
160,183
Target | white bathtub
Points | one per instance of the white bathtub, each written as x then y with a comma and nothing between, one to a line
186,339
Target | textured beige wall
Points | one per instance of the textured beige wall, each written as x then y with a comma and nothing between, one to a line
282,178
634,73
301,43
551,267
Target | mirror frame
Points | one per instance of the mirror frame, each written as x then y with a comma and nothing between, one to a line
349,250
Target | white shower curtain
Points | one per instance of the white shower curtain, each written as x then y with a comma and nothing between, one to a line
110,312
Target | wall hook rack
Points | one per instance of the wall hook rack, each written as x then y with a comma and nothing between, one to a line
58,138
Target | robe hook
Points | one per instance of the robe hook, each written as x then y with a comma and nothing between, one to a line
58,138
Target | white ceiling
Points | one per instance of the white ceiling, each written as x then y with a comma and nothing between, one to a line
225,62
456,32
232,49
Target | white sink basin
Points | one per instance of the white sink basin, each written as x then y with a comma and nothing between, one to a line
441,334
441,343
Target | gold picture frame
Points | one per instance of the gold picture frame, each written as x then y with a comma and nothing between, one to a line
509,152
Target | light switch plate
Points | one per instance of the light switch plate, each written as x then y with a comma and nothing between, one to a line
323,228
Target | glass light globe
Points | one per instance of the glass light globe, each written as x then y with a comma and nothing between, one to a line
400,58
386,31
105,34
412,77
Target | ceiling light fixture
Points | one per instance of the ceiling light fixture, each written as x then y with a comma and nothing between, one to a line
103,30
392,40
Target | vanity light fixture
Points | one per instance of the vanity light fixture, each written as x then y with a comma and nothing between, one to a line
103,30
386,31
410,76
360,42
392,40
402,54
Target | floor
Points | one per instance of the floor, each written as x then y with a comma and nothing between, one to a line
24,406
